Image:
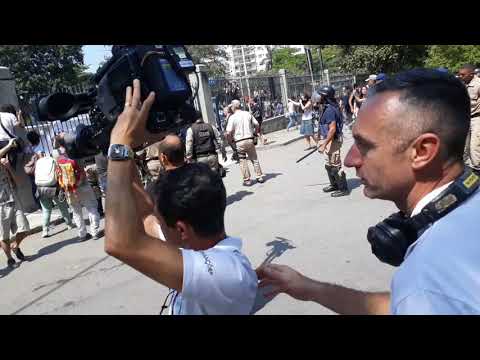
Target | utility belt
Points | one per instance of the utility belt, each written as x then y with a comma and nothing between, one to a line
205,155
249,138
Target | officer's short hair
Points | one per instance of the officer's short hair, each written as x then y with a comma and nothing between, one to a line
192,193
442,103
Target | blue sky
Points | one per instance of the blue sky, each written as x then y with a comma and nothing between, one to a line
94,55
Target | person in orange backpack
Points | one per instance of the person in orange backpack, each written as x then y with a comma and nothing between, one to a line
79,194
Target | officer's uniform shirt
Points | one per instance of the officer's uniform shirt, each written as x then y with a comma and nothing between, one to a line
330,114
441,270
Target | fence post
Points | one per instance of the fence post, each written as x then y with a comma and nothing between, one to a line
204,96
284,87
328,77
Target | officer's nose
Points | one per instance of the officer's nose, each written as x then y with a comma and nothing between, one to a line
353,158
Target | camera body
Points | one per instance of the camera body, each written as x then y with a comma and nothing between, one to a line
160,68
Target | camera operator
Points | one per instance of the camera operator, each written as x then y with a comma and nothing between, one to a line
12,219
203,142
409,141
10,119
202,265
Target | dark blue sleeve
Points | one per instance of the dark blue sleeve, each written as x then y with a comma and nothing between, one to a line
330,116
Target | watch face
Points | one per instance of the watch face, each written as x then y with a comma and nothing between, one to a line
119,152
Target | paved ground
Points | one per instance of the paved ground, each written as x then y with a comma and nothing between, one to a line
287,220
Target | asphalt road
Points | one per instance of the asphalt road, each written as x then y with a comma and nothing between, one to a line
286,220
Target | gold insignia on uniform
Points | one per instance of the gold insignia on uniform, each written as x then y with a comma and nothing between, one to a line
470,181
445,202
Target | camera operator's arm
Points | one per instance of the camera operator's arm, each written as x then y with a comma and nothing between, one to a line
189,144
20,121
125,236
11,144
337,298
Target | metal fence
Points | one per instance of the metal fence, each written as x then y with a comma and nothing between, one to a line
268,90
48,129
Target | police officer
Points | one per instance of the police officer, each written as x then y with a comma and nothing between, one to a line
202,142
330,130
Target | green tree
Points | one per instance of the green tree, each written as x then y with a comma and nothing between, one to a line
39,68
286,59
452,56
381,58
213,56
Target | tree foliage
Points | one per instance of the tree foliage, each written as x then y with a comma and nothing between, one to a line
453,56
285,58
381,58
213,56
39,68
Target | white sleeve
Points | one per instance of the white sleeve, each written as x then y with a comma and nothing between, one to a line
222,281
230,124
424,302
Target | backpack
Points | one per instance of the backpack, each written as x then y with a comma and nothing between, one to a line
45,172
66,176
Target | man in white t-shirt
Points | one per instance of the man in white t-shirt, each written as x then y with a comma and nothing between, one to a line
242,128
205,268
409,141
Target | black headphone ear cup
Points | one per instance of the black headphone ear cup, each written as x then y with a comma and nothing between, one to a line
391,238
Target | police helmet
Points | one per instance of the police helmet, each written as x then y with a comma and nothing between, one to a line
327,91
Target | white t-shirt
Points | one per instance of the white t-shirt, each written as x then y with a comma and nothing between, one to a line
241,123
217,281
441,270
8,120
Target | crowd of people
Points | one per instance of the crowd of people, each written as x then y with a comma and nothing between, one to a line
416,143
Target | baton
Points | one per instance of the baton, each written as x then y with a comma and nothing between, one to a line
305,156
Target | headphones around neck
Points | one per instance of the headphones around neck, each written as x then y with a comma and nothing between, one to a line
391,238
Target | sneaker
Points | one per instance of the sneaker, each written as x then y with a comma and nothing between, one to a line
18,253
85,238
11,263
261,180
45,233
247,182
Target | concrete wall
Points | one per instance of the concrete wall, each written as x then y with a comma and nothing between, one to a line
274,124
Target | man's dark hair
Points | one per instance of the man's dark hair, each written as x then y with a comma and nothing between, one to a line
468,67
33,137
8,108
192,193
443,101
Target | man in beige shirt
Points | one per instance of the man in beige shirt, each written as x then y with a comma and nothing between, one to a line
242,127
472,147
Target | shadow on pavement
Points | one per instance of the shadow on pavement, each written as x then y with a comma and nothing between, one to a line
239,195
6,270
279,246
267,177
50,249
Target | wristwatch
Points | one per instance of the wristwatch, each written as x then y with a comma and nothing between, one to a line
118,152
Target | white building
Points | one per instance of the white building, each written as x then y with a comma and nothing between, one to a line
250,59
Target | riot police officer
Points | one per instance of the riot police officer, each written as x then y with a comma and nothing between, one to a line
330,130
202,142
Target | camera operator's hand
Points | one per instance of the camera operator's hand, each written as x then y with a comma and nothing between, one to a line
282,279
12,143
130,128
